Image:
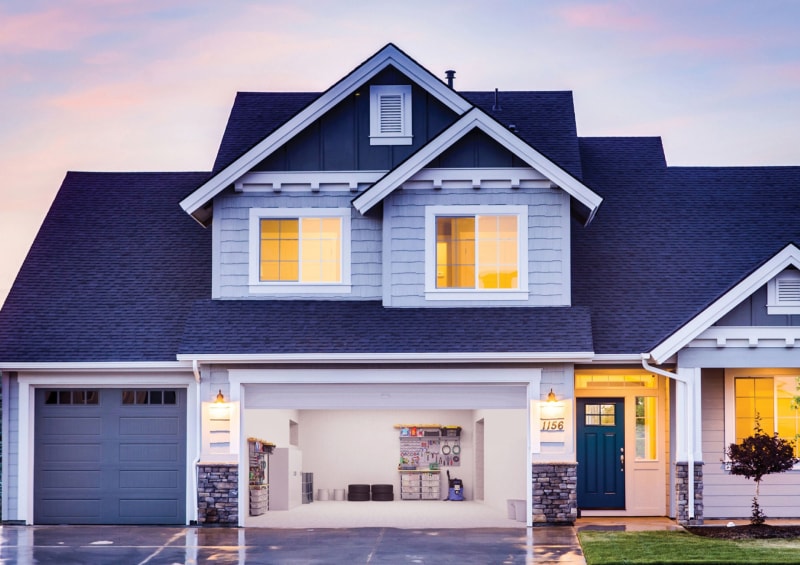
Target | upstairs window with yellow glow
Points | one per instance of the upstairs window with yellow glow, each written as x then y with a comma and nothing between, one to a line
476,252
299,250
306,250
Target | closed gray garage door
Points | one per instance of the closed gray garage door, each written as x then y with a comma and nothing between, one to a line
110,456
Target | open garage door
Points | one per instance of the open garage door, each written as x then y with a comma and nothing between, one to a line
375,396
110,456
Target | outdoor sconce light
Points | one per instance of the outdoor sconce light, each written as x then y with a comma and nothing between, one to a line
221,398
551,396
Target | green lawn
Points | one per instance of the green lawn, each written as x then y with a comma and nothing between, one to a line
679,548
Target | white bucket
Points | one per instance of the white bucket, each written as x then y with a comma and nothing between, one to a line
323,494
338,494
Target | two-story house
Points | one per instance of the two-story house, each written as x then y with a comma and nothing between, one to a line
394,254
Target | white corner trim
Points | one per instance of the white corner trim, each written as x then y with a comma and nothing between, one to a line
788,256
473,119
389,55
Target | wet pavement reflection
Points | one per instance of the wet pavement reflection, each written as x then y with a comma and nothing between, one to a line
67,545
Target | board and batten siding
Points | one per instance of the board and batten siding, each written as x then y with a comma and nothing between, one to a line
753,312
231,243
726,495
548,243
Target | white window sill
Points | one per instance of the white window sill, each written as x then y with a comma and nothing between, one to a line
441,294
393,140
782,310
278,288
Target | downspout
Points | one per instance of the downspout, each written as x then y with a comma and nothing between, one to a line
689,425
198,431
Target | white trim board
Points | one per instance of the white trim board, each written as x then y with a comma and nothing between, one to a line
477,119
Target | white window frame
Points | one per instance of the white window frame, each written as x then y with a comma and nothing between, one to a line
378,137
776,304
730,400
258,286
434,293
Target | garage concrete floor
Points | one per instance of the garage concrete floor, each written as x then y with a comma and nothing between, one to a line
100,545
396,514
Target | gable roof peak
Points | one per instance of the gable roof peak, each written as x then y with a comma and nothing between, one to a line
196,203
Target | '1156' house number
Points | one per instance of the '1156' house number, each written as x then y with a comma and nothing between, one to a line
554,425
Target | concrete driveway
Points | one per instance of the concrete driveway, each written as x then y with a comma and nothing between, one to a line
140,545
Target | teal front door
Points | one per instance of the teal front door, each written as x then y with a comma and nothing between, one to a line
601,453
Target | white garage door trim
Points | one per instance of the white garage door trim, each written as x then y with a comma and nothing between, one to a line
27,384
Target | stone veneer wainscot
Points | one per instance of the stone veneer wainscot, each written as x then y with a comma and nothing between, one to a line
217,494
555,493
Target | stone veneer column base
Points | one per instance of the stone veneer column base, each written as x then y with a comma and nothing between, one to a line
218,494
682,493
555,493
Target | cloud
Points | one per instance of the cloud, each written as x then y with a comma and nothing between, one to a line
610,17
53,29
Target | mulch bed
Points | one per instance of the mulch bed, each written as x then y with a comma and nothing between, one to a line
746,532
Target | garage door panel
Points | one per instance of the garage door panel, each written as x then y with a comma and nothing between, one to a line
148,453
148,479
109,463
68,510
70,452
148,426
145,508
72,426
72,479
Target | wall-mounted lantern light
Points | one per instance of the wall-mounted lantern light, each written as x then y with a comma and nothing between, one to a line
551,396
221,397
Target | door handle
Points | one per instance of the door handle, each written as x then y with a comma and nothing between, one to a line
622,459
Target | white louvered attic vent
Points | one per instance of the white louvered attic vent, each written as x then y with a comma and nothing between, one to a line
783,293
390,115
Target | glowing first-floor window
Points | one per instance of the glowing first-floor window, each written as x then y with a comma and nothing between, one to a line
478,251
774,400
300,250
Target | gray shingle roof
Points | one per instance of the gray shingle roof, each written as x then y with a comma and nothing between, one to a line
668,241
111,274
326,326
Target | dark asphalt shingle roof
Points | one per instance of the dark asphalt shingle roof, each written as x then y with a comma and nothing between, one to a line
118,272
668,241
111,274
326,326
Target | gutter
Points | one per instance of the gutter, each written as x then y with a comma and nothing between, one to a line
198,422
689,425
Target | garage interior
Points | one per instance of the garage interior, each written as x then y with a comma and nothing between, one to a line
329,432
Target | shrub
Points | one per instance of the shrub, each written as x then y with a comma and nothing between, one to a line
759,455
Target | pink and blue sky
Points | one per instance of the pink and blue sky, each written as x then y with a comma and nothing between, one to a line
141,85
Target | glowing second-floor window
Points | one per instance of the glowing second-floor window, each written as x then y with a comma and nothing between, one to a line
477,252
305,250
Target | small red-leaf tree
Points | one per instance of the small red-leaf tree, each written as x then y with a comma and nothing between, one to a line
758,455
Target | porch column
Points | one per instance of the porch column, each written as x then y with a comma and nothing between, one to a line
688,471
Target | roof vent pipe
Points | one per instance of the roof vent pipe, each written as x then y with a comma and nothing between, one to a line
451,75
496,106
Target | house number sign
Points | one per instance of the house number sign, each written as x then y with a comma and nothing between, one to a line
552,424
